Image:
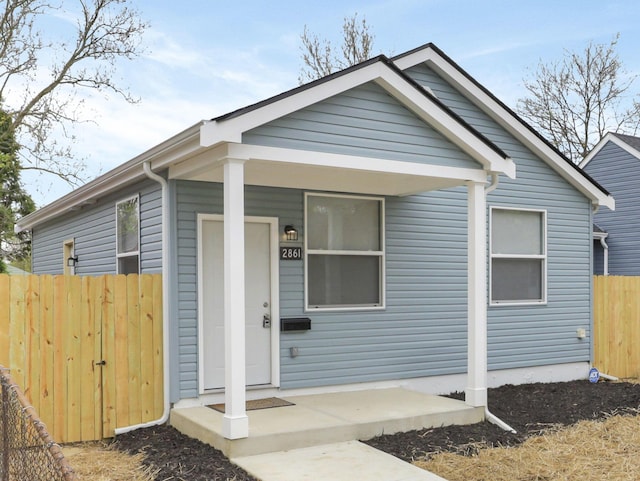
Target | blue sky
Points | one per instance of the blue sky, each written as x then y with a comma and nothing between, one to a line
208,57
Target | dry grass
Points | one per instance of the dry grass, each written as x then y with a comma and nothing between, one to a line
586,451
99,462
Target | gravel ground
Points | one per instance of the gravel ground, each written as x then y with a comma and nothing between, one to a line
529,408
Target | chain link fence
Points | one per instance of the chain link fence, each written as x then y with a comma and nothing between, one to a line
27,452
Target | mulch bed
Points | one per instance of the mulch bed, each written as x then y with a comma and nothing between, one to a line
529,408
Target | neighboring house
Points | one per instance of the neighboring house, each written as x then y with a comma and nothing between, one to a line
16,271
615,164
390,223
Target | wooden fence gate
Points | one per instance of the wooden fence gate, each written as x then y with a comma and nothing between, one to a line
616,325
87,351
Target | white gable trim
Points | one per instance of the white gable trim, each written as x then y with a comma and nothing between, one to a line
505,118
230,130
340,161
609,137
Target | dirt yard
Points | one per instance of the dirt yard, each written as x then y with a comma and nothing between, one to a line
533,410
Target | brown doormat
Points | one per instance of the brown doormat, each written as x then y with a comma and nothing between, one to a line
270,402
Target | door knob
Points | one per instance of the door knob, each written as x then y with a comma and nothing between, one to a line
266,321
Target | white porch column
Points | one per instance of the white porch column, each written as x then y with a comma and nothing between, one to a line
476,391
235,422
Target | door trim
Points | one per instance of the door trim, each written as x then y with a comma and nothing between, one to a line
273,222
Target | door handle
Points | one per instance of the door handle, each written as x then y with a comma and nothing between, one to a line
266,321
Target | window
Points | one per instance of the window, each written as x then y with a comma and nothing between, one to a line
344,252
128,236
518,256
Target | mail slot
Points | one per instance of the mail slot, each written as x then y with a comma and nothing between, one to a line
295,324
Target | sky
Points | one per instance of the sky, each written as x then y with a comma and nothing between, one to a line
207,57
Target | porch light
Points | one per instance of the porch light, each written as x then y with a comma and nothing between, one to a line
72,261
291,233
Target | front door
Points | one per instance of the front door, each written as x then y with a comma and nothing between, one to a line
259,294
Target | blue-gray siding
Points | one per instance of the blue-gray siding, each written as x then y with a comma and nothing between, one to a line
365,121
619,172
93,231
535,335
205,198
422,331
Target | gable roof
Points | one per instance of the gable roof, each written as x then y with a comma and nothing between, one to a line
389,74
626,142
506,118
229,128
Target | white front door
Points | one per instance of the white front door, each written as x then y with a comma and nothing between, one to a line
260,235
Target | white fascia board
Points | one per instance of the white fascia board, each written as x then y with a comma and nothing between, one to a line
434,115
597,148
507,120
168,151
340,161
609,137
230,130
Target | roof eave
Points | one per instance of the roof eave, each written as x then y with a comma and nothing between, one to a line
508,119
121,175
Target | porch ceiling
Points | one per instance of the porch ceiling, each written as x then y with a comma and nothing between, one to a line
276,167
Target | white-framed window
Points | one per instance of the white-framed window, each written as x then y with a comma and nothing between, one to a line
344,252
128,235
518,271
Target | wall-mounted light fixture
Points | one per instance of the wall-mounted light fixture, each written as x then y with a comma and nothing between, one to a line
291,233
72,261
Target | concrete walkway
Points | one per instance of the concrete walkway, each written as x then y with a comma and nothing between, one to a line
346,461
317,438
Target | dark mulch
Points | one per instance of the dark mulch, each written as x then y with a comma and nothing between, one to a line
530,409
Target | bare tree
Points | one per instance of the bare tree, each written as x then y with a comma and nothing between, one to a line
576,101
320,57
43,71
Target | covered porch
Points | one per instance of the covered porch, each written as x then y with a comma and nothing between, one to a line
235,153
332,417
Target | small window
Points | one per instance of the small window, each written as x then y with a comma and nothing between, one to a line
518,256
128,236
344,252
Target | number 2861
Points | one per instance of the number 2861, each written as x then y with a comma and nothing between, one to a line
290,253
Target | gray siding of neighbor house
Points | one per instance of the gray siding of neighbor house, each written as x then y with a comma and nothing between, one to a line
93,228
422,330
619,172
545,334
364,121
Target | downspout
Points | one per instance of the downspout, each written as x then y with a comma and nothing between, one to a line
495,179
165,304
605,255
489,416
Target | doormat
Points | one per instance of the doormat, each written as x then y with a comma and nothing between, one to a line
270,402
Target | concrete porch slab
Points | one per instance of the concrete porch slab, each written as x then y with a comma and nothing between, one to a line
332,462
326,418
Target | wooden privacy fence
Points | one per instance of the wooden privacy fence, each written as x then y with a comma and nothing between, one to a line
87,351
616,319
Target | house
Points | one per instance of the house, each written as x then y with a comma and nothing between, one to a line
16,271
392,222
615,164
